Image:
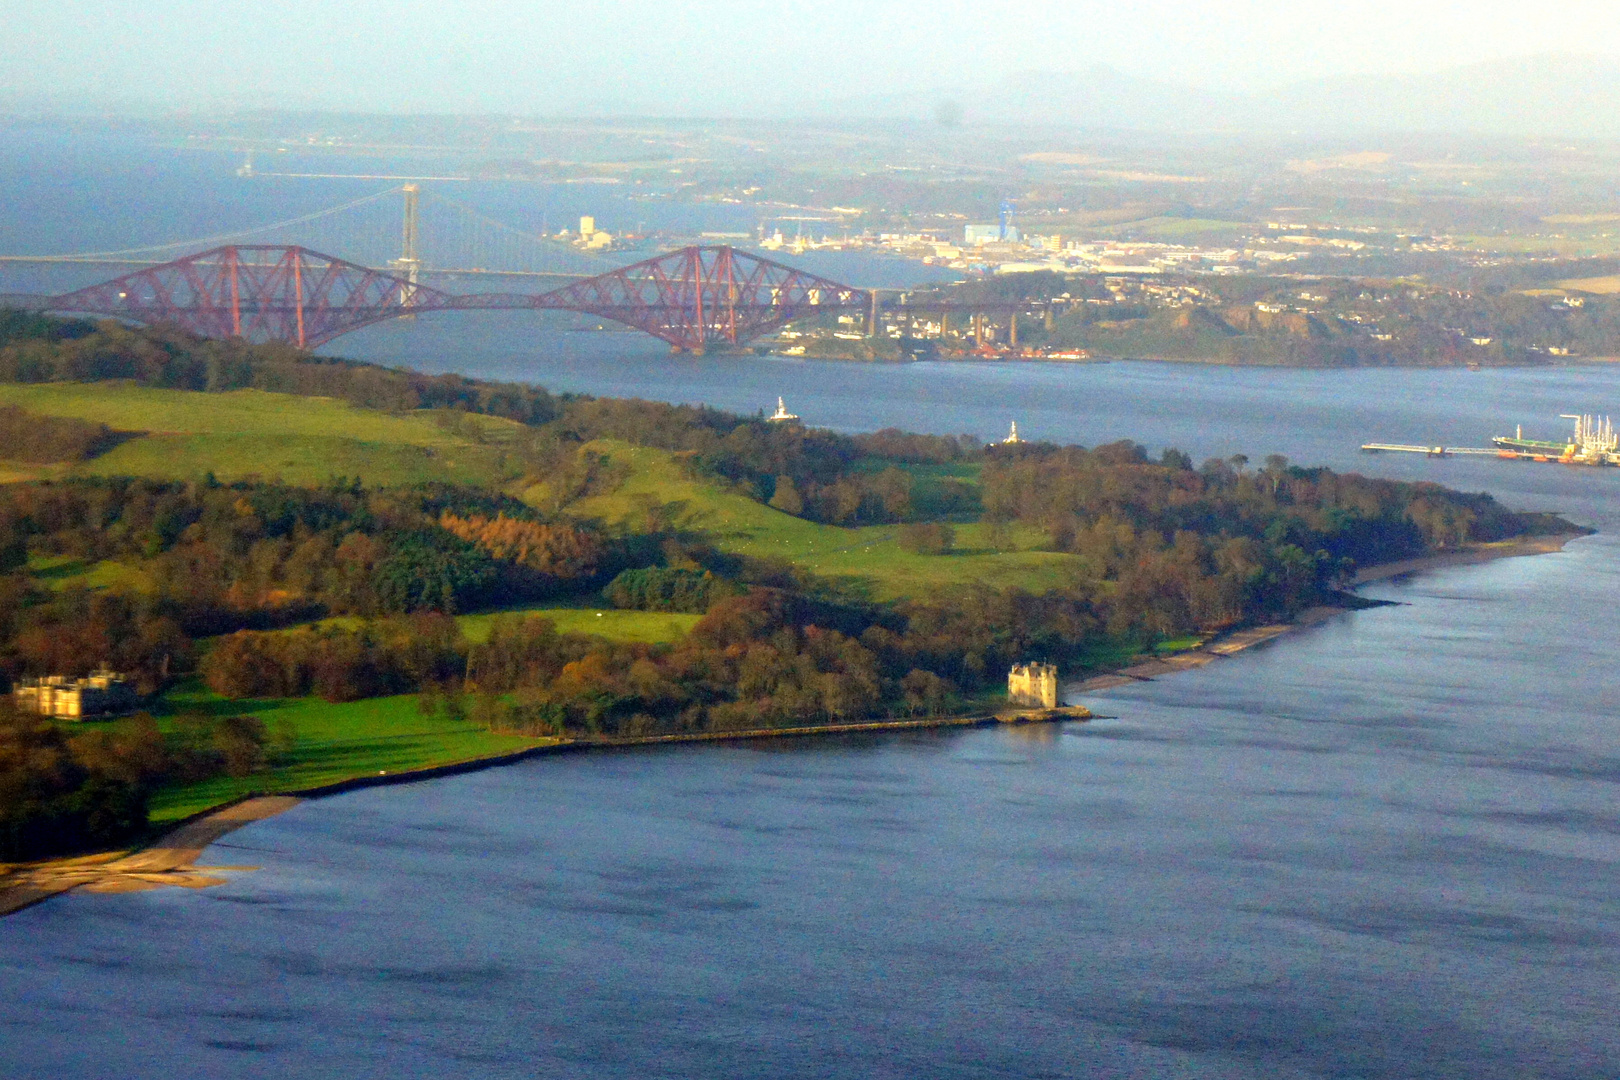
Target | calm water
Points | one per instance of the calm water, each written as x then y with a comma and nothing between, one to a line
1385,847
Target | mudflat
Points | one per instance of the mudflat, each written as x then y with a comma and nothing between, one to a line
168,862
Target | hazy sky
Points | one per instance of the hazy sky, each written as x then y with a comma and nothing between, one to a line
670,55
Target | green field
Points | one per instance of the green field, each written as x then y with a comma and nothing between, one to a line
651,627
61,571
1571,245
300,440
1602,286
306,460
310,440
333,742
1167,228
128,407
659,492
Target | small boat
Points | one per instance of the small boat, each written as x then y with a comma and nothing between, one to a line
781,415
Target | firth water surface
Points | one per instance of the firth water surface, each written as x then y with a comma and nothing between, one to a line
1385,847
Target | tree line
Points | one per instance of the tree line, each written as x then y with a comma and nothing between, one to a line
742,450
1210,547
62,792
205,558
40,440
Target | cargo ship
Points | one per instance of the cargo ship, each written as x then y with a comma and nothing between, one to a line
1593,442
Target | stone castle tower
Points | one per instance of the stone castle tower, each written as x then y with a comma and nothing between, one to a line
1033,686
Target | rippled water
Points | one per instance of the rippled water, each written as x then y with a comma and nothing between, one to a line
1384,847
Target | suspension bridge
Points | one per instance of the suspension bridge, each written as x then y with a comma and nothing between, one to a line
264,284
694,298
404,228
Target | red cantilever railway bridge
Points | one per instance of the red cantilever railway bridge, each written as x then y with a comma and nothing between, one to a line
693,298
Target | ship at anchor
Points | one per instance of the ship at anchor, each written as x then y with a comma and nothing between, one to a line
1593,442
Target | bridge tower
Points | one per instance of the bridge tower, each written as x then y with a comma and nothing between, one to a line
409,263
410,257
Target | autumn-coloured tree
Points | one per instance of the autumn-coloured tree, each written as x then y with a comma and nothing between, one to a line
558,551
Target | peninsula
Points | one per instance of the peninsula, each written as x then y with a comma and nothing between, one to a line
315,571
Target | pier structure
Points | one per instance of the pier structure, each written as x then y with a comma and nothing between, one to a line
1593,442
1431,451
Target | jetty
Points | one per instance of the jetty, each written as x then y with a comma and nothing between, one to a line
1431,451
1593,442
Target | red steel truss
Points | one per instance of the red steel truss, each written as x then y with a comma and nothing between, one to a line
701,296
691,298
258,292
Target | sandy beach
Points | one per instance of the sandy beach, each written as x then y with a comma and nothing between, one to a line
168,861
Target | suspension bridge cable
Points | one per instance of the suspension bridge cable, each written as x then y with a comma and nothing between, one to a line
540,241
220,238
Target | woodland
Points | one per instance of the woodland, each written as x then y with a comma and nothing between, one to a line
252,589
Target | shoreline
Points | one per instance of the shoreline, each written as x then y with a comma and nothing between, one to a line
1204,361
1469,556
169,859
1236,641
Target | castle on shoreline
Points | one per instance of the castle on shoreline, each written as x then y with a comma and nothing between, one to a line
1033,685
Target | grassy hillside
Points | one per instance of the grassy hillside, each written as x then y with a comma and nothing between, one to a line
648,627
309,440
659,493
302,440
236,412
652,627
1602,286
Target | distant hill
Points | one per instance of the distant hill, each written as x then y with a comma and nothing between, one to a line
1552,95
1096,97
